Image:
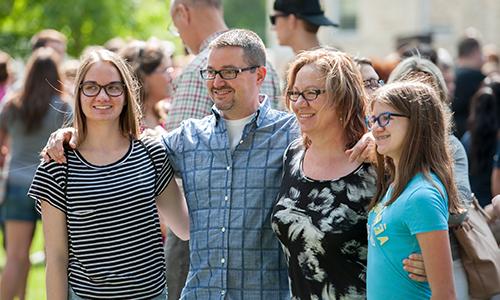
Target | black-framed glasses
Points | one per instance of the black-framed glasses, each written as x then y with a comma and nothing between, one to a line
273,18
383,119
373,83
112,89
226,74
308,95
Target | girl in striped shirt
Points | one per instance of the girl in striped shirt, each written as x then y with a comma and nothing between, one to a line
99,210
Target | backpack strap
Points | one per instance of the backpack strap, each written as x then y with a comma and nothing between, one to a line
152,161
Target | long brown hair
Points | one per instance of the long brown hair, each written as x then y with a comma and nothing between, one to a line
344,89
42,83
425,148
131,113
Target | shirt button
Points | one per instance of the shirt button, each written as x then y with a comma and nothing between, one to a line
228,168
223,261
241,142
222,292
226,198
223,229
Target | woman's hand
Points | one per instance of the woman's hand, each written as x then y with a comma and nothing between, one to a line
414,265
364,150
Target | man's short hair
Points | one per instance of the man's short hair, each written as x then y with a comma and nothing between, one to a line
252,45
41,39
467,46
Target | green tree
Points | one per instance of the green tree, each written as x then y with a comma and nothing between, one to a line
83,22
249,14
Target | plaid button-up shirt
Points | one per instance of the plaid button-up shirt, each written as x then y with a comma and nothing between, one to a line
191,98
230,195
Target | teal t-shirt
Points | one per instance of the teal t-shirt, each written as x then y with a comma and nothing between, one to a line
392,232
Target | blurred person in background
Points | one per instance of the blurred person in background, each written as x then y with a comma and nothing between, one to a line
68,70
50,38
371,80
26,120
6,73
296,23
468,79
115,44
152,65
491,60
447,67
482,139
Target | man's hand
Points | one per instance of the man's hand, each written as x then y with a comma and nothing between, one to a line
364,150
414,265
55,145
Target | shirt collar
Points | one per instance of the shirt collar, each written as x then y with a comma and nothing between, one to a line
262,110
210,38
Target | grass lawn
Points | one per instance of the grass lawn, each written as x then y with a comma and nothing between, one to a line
35,289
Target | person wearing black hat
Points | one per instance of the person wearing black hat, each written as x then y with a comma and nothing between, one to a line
296,23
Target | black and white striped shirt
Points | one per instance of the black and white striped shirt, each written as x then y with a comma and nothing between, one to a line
114,238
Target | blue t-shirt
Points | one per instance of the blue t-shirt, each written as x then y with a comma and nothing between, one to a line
392,231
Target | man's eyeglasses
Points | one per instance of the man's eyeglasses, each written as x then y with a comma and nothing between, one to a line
373,83
112,89
273,18
308,95
383,119
172,29
226,74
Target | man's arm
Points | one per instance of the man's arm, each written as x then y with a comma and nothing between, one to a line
54,149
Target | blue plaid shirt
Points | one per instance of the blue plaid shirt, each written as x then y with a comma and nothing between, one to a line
234,252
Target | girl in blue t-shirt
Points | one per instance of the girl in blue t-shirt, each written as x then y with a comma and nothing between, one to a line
415,188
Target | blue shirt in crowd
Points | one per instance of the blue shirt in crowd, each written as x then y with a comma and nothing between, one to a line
230,195
392,231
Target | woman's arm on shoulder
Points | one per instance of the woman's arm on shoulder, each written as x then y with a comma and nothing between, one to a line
172,205
436,252
56,247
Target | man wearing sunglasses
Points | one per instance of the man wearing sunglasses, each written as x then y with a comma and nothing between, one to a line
297,22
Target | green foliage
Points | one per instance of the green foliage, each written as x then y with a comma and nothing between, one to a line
83,22
87,23
249,14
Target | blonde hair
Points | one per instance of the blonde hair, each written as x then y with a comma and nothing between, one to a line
344,89
131,113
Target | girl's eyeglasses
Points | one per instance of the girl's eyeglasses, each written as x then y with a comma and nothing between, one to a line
383,119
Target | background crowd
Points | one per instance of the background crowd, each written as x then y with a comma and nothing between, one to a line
172,88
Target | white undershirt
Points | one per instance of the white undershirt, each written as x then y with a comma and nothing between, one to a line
235,130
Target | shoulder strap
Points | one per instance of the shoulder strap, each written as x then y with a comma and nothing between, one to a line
151,159
66,154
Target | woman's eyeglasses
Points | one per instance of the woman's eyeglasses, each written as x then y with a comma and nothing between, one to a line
308,95
112,89
373,83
